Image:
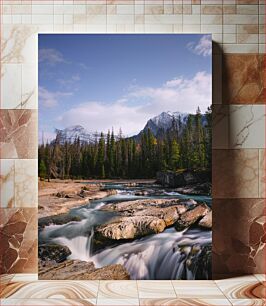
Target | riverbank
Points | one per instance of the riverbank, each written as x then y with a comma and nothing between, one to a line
59,196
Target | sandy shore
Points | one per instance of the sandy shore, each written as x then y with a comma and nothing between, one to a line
59,196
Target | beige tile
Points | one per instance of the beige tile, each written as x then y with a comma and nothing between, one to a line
240,48
184,302
211,19
155,289
42,19
51,290
42,9
229,38
247,38
247,9
188,19
260,277
118,290
120,19
7,183
153,9
246,287
240,19
163,19
10,85
197,289
4,280
248,302
29,85
217,28
229,9
229,29
117,302
26,183
248,29
48,302
211,9
245,122
24,277
125,9
191,28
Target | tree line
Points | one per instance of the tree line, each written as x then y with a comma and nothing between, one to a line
182,146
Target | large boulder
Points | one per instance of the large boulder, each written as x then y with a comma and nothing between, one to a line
130,228
53,252
80,270
183,178
192,216
129,208
169,214
206,221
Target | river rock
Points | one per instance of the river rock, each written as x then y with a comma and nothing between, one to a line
197,189
130,228
131,207
57,219
81,270
192,216
183,178
206,221
197,261
54,252
169,214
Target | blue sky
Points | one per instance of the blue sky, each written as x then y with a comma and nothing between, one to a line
102,81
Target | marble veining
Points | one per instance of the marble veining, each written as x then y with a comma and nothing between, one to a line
26,184
7,183
243,79
48,289
239,249
18,44
18,249
19,186
18,134
48,302
245,122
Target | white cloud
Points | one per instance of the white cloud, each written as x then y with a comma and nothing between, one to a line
203,47
50,56
67,82
50,99
132,111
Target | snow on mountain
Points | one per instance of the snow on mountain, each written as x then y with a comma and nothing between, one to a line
156,124
164,121
74,132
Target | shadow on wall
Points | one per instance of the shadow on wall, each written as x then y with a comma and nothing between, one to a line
239,226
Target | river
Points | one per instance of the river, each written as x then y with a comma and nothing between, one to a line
168,255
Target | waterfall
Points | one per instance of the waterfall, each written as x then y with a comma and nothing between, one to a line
161,256
167,255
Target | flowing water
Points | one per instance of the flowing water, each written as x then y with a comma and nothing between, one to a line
160,256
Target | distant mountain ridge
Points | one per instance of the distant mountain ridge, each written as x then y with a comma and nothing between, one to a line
163,122
157,124
70,134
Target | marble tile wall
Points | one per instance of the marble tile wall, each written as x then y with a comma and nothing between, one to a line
238,30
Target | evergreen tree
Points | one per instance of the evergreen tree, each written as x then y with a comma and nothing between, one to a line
42,170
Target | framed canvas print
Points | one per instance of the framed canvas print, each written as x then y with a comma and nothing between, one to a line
125,156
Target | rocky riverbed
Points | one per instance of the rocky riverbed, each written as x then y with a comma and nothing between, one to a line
58,197
128,235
